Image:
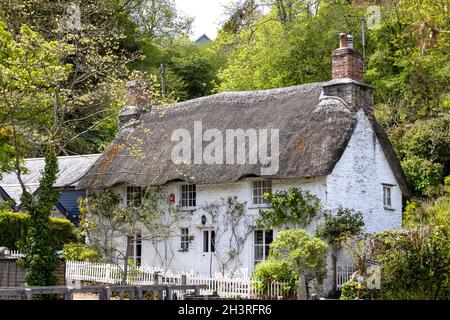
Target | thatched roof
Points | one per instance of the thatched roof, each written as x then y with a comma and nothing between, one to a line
313,132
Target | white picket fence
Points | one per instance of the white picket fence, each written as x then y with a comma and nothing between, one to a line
14,254
225,287
344,273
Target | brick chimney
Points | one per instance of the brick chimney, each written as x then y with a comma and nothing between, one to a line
138,98
347,63
347,84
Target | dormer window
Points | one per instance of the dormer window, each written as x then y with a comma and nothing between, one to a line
188,196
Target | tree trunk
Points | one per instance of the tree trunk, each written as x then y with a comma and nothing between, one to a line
301,291
125,263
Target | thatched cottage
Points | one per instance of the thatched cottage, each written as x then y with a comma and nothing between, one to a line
329,143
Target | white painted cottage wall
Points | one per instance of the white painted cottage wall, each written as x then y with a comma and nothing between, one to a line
195,259
357,180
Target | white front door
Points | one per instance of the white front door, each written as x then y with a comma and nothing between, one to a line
208,250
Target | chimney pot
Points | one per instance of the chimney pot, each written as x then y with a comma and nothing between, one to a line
350,41
346,63
343,40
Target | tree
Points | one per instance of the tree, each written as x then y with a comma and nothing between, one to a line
335,228
30,69
422,175
232,229
292,208
159,20
40,258
302,256
284,49
107,223
91,93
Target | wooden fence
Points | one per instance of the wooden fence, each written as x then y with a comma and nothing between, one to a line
225,287
13,275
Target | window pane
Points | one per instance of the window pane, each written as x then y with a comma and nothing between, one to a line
205,241
269,237
213,241
259,236
259,254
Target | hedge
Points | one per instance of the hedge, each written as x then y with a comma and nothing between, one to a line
14,226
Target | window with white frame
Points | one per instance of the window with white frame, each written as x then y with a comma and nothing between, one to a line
387,196
259,188
134,196
188,195
135,249
184,239
262,240
209,240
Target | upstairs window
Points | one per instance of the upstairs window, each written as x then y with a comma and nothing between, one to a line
387,196
184,239
134,196
259,188
188,195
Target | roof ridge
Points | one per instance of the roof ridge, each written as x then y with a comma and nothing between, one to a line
266,93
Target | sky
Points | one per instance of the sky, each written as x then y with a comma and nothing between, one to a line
208,15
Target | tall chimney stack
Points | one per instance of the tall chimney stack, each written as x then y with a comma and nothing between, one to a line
138,96
347,63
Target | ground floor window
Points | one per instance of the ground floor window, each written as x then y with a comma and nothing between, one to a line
184,239
135,249
262,240
209,241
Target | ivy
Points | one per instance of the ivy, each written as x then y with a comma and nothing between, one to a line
292,208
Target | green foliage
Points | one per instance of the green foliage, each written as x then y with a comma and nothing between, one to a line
40,258
14,227
346,222
292,208
349,290
274,52
304,253
80,252
273,270
292,253
415,262
428,139
422,174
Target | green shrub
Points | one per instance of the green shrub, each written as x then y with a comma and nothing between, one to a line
274,270
422,174
14,226
349,290
347,222
80,252
415,262
292,253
